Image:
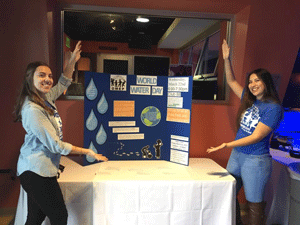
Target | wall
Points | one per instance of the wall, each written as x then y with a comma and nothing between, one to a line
273,38
266,35
23,39
210,6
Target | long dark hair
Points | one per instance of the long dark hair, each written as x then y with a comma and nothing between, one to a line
248,99
28,89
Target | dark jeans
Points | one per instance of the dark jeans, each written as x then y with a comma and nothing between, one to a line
44,199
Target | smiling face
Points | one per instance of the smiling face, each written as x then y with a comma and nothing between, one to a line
43,80
256,86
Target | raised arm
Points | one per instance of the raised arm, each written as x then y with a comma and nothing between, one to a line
231,81
75,56
65,81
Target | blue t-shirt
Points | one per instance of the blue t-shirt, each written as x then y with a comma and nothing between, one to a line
268,113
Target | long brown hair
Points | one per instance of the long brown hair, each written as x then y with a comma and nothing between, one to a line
248,98
28,89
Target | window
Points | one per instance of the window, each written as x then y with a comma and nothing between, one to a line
185,56
196,50
115,64
208,59
158,66
191,43
204,56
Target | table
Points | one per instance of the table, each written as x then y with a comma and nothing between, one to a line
145,193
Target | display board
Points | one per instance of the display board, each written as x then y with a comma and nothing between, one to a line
132,117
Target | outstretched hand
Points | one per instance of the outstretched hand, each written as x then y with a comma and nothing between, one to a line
70,62
225,50
98,157
213,149
75,56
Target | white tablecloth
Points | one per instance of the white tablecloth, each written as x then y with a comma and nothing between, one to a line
144,193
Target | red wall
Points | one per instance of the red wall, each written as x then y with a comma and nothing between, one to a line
266,35
23,39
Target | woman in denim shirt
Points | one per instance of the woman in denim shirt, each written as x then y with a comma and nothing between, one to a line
41,151
259,115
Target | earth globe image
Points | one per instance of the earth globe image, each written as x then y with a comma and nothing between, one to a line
150,116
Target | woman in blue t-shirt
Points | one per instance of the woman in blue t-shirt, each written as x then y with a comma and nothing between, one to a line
259,115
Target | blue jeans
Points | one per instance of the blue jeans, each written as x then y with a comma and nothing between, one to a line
252,172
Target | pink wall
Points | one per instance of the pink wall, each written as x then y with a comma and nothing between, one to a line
273,38
23,39
211,6
265,36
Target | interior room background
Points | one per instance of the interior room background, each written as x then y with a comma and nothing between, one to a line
266,34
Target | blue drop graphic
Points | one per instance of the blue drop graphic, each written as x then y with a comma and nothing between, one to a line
102,105
101,136
91,91
89,158
91,122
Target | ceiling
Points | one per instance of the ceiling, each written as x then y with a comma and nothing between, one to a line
165,32
93,26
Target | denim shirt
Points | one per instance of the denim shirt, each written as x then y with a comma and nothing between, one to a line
42,147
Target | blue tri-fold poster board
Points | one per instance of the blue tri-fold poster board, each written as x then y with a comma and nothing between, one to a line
134,117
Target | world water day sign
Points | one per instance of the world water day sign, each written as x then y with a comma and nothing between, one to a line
129,117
